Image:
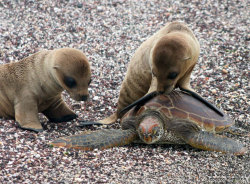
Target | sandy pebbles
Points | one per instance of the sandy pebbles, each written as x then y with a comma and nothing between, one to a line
109,32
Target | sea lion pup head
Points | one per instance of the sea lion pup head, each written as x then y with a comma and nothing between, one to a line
171,61
72,71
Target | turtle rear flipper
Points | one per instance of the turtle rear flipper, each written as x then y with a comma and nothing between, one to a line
101,139
197,138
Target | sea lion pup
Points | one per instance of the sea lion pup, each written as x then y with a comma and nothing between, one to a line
34,84
163,62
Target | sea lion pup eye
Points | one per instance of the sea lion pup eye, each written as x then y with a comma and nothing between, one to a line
172,75
69,81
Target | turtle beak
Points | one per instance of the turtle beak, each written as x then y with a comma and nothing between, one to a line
147,139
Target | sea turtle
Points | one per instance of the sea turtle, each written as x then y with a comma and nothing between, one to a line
177,118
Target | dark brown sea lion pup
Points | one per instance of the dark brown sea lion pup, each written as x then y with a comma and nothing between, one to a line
163,62
34,84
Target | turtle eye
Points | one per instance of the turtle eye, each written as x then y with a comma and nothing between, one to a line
69,81
155,131
172,75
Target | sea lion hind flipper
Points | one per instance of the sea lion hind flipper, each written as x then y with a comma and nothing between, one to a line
83,123
109,120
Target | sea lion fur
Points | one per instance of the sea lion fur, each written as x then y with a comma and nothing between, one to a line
34,84
163,62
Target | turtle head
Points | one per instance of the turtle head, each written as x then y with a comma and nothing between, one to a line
150,129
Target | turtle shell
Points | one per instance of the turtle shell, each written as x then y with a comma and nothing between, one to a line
181,105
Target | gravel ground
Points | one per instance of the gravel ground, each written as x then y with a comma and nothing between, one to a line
109,32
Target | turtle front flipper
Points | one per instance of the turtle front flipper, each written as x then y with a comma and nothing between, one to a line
101,139
197,138
212,142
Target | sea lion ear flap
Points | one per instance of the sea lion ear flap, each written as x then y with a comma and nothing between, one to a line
186,58
56,67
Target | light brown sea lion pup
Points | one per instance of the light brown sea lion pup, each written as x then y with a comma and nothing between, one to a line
34,84
163,62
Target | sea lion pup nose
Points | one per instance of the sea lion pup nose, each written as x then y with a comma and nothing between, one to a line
163,62
35,83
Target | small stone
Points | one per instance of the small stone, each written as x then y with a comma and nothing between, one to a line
57,10
78,179
214,91
99,9
224,71
79,5
167,161
241,117
96,98
168,14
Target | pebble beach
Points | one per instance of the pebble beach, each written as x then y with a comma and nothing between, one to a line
109,32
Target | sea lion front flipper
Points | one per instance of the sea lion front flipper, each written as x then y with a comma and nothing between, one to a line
140,102
184,85
30,129
26,115
58,111
197,96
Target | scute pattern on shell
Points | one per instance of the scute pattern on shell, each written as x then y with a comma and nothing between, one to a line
187,108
